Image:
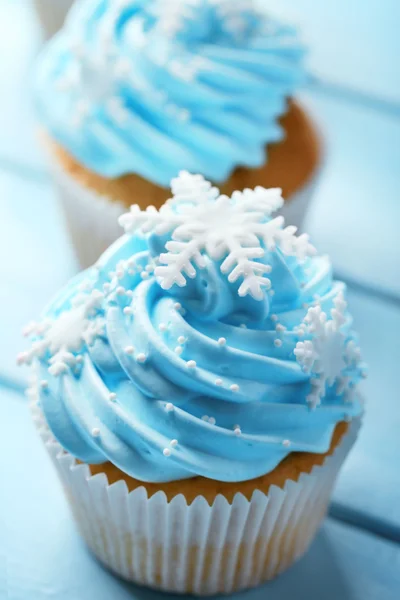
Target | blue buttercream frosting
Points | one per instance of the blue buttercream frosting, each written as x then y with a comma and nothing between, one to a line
151,87
222,373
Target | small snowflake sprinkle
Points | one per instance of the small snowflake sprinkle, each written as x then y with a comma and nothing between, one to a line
327,356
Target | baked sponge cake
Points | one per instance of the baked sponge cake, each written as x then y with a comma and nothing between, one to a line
197,391
129,93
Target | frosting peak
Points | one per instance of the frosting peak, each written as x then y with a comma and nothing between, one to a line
209,324
197,84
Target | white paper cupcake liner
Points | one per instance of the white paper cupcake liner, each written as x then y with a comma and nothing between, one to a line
92,219
196,548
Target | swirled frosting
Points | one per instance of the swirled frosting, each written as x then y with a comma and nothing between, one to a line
151,87
199,348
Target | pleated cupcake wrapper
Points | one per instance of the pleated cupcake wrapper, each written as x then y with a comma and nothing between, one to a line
196,548
92,219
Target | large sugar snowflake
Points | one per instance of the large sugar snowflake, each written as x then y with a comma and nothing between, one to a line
328,356
61,339
237,231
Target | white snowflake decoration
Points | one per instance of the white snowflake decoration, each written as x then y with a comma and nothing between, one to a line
63,338
201,222
327,356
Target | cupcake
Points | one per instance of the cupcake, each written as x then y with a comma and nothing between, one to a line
197,391
131,92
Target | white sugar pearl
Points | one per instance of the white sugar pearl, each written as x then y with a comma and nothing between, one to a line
212,421
237,431
169,407
173,443
113,396
205,418
44,384
274,317
181,339
278,343
129,350
191,364
177,306
141,357
218,382
95,432
162,327
221,341
178,350
167,452
128,310
234,387
286,443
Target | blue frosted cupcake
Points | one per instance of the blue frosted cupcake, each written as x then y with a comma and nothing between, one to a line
197,390
129,93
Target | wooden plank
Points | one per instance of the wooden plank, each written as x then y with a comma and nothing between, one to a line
355,213
351,44
369,482
20,40
36,260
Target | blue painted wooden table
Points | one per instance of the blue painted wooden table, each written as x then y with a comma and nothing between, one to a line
354,218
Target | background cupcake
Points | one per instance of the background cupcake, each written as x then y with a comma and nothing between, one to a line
210,374
128,93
